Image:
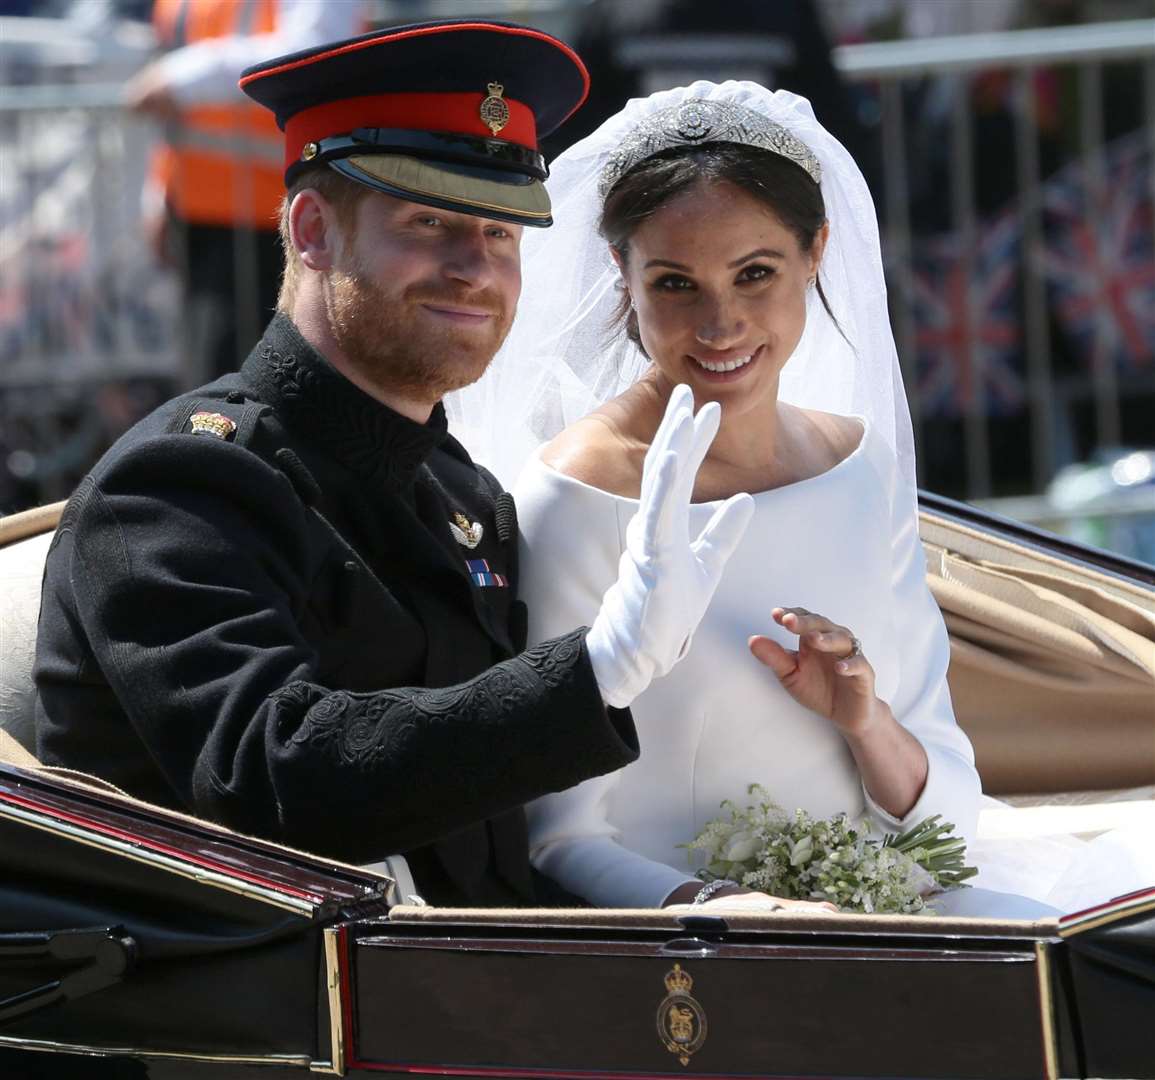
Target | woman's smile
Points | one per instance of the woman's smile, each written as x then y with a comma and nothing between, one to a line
725,367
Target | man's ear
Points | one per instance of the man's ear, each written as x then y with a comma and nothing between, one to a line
314,230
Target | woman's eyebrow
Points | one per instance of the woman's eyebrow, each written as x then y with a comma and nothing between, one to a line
760,253
665,262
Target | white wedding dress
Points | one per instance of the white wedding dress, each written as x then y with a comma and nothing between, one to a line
842,544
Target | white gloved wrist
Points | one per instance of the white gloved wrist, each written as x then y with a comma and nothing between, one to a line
621,674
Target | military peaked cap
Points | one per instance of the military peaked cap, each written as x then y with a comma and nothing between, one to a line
446,113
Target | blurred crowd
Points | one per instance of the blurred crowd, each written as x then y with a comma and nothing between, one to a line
124,275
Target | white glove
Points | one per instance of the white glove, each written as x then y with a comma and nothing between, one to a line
665,582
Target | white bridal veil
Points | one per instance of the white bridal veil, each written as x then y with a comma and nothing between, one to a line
561,359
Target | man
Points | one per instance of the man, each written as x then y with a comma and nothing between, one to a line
287,601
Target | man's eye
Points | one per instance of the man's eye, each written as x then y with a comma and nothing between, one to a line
429,219
498,233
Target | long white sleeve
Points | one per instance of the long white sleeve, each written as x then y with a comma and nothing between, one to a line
571,540
206,72
922,702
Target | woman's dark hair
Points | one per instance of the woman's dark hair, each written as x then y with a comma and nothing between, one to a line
784,187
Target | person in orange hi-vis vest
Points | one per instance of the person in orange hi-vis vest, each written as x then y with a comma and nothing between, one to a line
215,185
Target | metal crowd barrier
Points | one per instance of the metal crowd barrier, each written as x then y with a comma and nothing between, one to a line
955,63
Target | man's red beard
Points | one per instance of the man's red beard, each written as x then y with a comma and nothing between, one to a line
400,348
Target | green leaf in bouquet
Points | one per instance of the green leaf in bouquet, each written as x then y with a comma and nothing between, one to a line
796,856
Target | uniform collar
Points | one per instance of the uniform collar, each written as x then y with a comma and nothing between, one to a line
323,407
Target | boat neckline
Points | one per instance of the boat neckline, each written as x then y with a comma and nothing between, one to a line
793,486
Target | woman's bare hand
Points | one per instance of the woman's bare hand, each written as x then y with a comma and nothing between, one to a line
827,673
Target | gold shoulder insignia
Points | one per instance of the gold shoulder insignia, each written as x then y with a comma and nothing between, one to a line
212,423
466,534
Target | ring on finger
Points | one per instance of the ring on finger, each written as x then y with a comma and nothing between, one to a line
855,649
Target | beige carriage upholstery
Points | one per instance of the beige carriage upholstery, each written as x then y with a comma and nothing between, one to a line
24,543
1052,666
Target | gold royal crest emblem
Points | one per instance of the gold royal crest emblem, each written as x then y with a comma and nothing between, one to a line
212,423
681,1020
494,111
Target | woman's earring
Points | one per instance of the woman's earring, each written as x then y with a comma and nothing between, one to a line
810,283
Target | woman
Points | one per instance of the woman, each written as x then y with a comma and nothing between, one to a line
741,253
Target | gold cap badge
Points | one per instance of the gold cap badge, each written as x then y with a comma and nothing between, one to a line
309,151
212,423
494,111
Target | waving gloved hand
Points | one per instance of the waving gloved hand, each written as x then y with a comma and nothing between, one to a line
665,581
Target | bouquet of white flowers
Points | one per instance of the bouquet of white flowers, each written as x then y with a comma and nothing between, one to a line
799,858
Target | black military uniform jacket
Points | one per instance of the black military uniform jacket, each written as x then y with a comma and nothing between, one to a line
277,627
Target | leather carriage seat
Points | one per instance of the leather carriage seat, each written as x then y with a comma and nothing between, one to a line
24,542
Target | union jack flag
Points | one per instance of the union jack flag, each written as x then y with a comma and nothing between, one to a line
966,321
1099,256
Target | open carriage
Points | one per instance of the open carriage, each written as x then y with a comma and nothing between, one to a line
139,942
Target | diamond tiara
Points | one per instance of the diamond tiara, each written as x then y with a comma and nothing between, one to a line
698,121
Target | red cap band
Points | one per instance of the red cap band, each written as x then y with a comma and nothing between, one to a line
459,114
